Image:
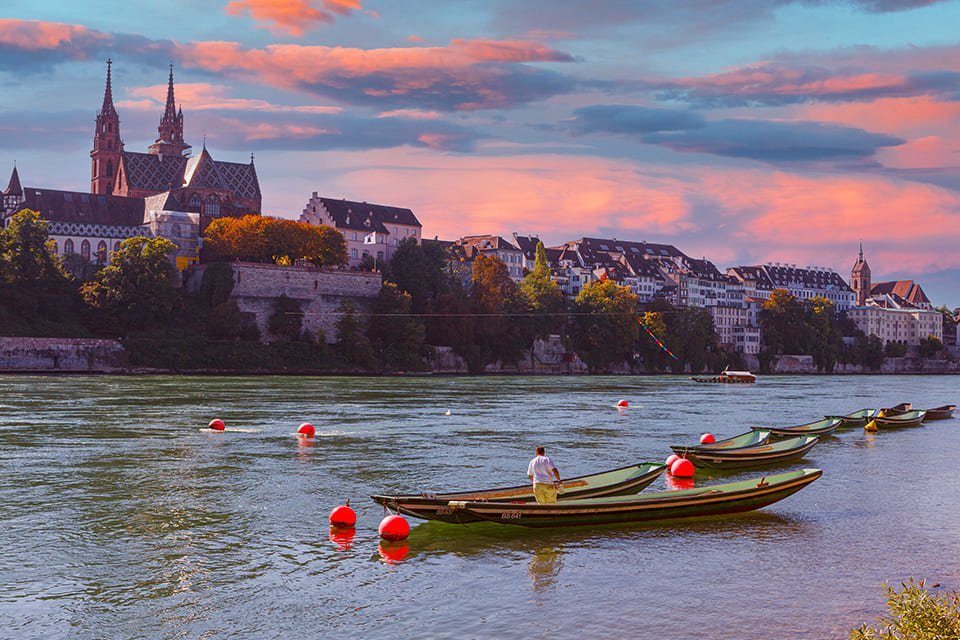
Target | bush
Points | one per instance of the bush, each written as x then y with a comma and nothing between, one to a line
915,613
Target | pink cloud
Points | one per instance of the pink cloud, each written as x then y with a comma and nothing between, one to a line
292,16
34,35
201,96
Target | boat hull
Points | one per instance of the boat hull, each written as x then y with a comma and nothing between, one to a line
753,438
436,506
857,418
819,428
752,457
940,413
669,505
908,419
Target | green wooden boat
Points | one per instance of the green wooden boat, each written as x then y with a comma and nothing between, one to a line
909,419
749,439
898,409
786,450
733,497
940,413
857,418
819,428
434,506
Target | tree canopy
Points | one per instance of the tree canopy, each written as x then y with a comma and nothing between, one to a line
264,239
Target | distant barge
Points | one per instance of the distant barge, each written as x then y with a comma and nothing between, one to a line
729,377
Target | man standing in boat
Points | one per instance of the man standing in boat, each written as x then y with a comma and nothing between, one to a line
545,486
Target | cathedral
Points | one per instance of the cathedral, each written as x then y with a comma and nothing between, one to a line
164,192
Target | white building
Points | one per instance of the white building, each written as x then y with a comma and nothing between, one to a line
894,320
803,283
373,230
493,246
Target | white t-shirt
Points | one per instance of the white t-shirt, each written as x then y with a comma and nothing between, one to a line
540,468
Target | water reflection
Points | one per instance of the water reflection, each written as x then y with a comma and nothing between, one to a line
393,552
544,567
342,537
677,484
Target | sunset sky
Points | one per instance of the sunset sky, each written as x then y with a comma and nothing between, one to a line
741,130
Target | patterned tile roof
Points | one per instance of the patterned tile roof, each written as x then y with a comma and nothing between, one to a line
151,172
14,188
165,201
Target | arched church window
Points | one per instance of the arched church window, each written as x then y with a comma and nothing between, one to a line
102,252
195,203
212,206
85,249
67,247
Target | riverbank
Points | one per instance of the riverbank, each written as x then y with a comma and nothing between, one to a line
98,356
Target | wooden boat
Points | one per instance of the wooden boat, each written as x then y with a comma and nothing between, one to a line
897,410
733,497
733,377
909,419
940,413
434,506
785,450
749,439
819,428
857,418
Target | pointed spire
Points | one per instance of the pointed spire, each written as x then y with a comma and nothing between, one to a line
14,188
861,250
170,111
108,108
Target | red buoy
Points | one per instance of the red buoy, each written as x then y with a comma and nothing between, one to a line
682,468
393,552
707,438
623,404
217,424
306,429
394,528
673,458
343,516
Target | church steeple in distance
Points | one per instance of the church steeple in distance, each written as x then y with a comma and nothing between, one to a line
170,132
107,145
860,279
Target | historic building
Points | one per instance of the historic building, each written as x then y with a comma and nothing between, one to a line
803,283
897,311
162,193
371,230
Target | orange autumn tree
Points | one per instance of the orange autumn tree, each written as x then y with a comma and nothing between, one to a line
265,239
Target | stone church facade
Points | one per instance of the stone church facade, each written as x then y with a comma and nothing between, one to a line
164,192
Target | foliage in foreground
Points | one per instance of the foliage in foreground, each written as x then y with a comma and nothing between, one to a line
915,613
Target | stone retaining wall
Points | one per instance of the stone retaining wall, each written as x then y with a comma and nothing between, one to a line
321,292
61,355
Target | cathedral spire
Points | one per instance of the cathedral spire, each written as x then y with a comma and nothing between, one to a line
108,109
861,250
170,112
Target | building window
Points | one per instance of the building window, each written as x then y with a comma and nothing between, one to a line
102,252
67,247
353,253
85,249
212,206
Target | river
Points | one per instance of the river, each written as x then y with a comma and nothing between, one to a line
122,517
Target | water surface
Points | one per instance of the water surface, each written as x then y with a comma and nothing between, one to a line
120,517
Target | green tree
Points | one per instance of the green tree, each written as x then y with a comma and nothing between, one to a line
353,347
654,358
870,352
604,327
823,332
136,290
543,296
396,336
930,346
498,335
26,255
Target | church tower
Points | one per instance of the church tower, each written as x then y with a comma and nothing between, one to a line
170,132
107,146
860,279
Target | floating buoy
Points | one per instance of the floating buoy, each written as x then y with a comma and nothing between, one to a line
393,552
870,426
306,429
394,528
217,424
623,404
343,516
673,458
682,468
447,413
707,438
